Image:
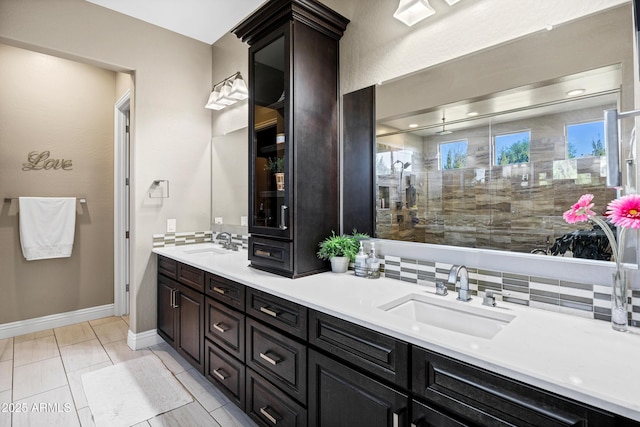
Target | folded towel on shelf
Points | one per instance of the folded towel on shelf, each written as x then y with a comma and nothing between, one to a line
47,227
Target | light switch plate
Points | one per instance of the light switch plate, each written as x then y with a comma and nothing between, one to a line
171,225
217,220
244,221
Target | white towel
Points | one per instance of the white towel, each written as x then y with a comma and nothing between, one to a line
47,226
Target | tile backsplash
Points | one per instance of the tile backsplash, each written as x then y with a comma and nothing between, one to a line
193,237
587,300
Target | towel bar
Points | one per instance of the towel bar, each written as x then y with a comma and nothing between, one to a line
82,200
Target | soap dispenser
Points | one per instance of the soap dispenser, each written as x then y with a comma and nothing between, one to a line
360,264
373,264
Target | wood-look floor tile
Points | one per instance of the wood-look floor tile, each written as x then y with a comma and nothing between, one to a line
205,393
192,414
35,350
112,331
171,359
6,349
73,334
38,377
33,336
104,320
119,351
6,375
75,383
53,408
5,417
82,355
231,416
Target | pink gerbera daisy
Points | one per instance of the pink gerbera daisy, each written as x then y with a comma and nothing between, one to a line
581,211
625,211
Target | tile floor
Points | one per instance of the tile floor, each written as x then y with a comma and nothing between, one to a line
40,382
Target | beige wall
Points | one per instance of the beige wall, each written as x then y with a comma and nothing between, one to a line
61,106
171,131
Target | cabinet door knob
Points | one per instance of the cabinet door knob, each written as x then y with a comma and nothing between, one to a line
220,327
273,418
220,374
268,311
273,360
219,290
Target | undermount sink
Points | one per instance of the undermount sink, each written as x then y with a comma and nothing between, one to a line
208,250
452,315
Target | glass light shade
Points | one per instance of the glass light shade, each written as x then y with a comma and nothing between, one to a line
411,12
239,89
225,99
451,2
212,101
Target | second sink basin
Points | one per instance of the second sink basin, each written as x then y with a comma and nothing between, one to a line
208,250
451,315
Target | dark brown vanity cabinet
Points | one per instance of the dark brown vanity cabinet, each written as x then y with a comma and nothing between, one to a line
293,134
181,313
474,396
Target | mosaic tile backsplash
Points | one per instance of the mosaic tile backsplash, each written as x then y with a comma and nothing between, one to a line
591,301
193,237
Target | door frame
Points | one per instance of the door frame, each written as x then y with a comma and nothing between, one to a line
121,172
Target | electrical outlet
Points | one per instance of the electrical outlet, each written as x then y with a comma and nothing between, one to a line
244,221
217,220
171,225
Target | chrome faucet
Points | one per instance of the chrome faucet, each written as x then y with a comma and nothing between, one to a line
460,273
227,244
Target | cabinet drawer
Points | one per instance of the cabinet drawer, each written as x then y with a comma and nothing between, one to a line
278,358
271,255
372,351
269,407
280,313
167,266
226,372
425,416
191,276
225,327
482,397
225,290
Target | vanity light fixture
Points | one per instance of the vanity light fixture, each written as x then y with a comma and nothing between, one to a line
575,92
411,12
228,92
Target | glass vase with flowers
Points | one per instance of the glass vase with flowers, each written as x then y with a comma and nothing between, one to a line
624,213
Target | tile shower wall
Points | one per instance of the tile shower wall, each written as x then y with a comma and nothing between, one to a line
193,237
591,301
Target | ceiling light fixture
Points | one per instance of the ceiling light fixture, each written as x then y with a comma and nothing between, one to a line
472,113
413,125
451,2
575,92
411,12
227,92
443,131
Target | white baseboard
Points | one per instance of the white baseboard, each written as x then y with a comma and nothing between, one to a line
143,339
38,324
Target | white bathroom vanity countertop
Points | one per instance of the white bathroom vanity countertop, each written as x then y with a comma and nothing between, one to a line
579,358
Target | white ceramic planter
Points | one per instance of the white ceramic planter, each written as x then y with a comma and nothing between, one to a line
339,264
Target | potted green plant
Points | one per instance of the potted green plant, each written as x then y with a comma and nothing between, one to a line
340,250
277,167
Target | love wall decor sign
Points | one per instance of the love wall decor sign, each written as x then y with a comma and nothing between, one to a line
41,160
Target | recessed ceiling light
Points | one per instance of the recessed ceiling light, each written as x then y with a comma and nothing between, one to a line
549,27
575,92
472,113
413,125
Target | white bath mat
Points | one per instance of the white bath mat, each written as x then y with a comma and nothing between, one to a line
131,392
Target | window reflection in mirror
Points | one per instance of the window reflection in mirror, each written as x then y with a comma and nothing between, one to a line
500,179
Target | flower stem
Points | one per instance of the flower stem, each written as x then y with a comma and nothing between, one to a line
612,239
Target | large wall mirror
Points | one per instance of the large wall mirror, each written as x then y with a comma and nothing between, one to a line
461,166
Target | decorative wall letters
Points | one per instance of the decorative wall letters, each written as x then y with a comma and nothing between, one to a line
40,160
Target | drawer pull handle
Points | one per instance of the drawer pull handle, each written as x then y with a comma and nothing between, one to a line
269,311
218,373
272,418
396,417
220,327
273,360
219,290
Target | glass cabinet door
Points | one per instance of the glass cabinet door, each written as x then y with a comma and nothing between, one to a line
269,146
